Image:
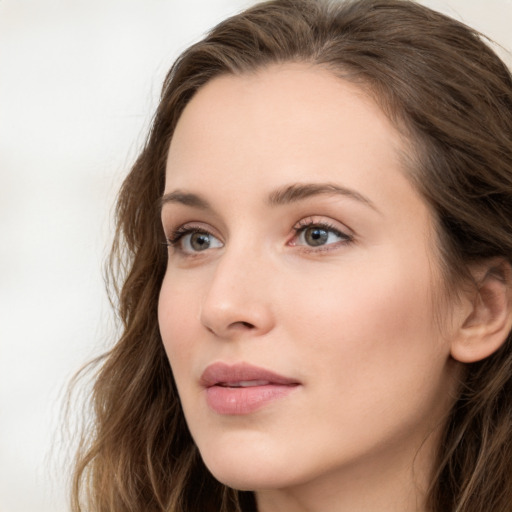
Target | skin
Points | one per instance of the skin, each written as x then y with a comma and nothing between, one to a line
352,320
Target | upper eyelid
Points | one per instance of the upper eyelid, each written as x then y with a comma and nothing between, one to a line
175,216
180,232
191,226
311,220
328,222
174,235
343,235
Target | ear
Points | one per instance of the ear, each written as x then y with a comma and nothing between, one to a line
487,318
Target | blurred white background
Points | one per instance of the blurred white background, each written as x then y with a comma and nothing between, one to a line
79,80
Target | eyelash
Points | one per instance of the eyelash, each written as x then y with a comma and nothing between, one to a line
178,234
304,224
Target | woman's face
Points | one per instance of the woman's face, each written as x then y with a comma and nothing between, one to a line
297,307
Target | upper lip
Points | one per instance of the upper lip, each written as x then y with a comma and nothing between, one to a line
223,373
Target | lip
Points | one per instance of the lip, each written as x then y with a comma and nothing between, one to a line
243,388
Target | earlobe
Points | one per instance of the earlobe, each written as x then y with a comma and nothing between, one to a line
489,322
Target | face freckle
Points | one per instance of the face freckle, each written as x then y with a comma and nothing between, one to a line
346,318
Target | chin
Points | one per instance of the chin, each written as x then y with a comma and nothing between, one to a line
247,471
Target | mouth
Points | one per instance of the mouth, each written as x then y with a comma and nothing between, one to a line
242,375
244,384
242,388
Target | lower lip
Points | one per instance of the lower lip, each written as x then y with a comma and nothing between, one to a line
237,401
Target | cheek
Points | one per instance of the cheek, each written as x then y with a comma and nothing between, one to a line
372,321
374,356
177,316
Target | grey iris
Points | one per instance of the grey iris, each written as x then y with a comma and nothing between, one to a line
315,236
200,241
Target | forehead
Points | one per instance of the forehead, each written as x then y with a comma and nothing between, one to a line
281,97
289,122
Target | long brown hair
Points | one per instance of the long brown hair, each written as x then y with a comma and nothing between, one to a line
451,96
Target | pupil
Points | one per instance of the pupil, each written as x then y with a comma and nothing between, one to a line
316,236
200,241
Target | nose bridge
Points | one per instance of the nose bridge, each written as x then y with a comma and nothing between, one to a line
238,298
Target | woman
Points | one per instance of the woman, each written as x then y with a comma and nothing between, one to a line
329,326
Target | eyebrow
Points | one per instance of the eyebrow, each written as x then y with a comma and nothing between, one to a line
281,196
297,192
187,199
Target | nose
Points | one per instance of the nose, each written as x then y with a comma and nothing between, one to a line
238,299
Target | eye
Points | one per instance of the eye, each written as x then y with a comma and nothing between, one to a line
318,234
191,240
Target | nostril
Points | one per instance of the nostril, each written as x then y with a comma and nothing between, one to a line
242,325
